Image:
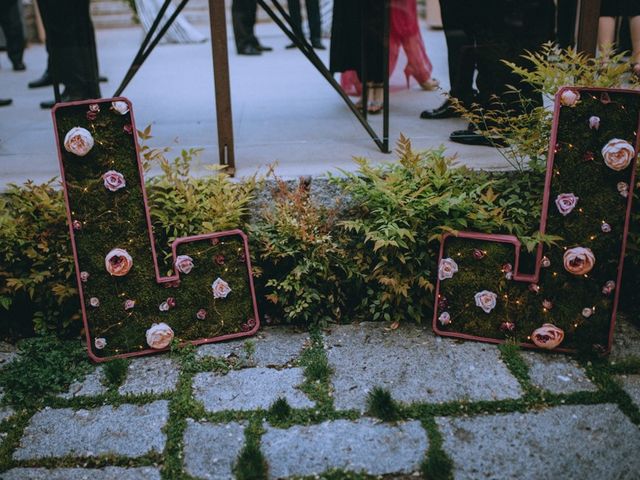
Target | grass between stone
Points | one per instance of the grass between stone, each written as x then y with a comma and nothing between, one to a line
251,463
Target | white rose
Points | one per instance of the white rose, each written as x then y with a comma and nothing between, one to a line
447,268
121,107
486,300
184,263
159,335
220,288
444,318
78,141
618,154
100,343
113,180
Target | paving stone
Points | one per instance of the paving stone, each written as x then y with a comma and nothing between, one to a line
626,340
210,451
107,473
127,430
557,373
273,346
631,385
414,365
8,353
358,446
249,389
150,375
90,386
569,442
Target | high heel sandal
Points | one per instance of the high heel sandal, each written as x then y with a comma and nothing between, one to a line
375,102
430,84
635,70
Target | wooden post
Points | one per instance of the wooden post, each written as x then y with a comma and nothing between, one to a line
587,37
220,55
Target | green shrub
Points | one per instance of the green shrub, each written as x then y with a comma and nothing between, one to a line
37,283
401,211
309,274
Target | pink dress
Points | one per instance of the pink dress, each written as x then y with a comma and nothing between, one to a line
403,31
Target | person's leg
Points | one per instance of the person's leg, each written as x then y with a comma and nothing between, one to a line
243,16
13,31
296,17
313,17
566,21
606,33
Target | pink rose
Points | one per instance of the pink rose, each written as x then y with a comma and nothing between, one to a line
534,287
569,98
184,264
478,254
594,122
447,268
444,318
163,307
120,107
587,312
609,287
128,129
605,227
566,202
201,314
84,276
77,225
118,262
623,189
94,107
486,300
547,336
171,302
545,262
94,302
618,154
113,180
220,288
159,335
548,304
129,304
78,141
100,343
579,260
219,259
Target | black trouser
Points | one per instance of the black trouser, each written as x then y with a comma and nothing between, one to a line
460,50
243,15
11,24
71,44
313,16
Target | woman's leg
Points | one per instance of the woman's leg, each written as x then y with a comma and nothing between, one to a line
606,33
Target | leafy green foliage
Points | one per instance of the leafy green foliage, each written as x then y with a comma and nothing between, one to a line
183,205
309,270
45,367
381,404
36,265
401,212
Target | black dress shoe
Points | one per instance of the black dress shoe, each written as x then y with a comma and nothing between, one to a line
102,79
317,44
44,81
19,66
249,50
263,48
445,110
5,101
290,46
471,137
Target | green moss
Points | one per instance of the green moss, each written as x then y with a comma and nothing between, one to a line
117,220
280,410
381,404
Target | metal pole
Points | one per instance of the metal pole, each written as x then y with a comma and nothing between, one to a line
220,55
587,37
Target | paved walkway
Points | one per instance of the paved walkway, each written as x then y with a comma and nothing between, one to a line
283,109
475,409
